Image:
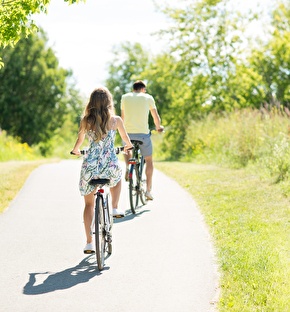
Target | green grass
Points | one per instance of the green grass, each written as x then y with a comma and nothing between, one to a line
249,222
13,174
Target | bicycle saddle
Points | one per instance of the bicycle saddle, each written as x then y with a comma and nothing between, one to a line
136,142
99,181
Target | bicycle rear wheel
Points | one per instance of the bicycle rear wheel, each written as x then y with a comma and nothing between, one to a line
133,188
100,232
142,187
108,225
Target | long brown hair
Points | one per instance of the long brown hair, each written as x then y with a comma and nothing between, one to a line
98,112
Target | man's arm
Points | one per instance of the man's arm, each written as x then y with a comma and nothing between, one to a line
156,119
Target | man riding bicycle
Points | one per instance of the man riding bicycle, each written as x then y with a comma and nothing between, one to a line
135,108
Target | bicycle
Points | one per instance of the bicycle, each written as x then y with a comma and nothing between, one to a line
137,183
102,221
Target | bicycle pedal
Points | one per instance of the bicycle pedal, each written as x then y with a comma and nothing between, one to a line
109,239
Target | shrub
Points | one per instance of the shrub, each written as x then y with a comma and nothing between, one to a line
12,149
240,138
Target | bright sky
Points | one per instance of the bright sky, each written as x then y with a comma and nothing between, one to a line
82,35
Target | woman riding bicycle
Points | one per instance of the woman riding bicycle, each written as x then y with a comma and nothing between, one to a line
100,123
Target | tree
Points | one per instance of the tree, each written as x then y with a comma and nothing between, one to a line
209,46
203,45
272,60
33,90
161,76
16,19
128,63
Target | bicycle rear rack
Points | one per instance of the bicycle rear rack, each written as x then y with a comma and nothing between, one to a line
133,161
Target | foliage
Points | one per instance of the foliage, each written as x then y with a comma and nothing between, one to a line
206,42
16,19
12,149
161,80
34,93
128,63
278,162
243,138
272,60
205,46
213,64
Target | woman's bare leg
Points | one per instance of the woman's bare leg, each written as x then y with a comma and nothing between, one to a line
88,215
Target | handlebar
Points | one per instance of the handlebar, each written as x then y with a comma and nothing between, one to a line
118,150
83,152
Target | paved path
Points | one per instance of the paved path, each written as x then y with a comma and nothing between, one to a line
162,257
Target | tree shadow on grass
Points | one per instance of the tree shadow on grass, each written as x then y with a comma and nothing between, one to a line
65,279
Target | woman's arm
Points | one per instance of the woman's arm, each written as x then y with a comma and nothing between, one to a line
79,141
123,133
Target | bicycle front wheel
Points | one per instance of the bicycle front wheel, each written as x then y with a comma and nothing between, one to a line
100,233
133,188
142,186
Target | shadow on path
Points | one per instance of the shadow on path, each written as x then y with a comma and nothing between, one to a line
68,278
130,216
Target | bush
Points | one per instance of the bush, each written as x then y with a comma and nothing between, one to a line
241,138
278,162
12,149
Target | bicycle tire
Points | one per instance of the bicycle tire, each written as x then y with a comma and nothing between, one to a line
100,238
109,224
142,187
133,188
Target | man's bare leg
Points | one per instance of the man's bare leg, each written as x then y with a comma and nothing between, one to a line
149,172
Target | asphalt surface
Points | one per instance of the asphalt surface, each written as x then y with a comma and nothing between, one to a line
162,260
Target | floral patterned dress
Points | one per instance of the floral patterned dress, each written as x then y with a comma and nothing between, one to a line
100,162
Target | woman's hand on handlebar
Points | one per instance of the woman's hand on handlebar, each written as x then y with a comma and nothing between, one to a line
75,152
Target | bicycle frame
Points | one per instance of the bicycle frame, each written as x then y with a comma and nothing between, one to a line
104,197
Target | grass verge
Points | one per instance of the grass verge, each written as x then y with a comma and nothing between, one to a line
12,177
249,222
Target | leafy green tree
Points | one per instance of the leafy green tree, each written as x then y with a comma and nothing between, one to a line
65,135
128,62
16,19
207,40
272,60
160,77
204,44
33,90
